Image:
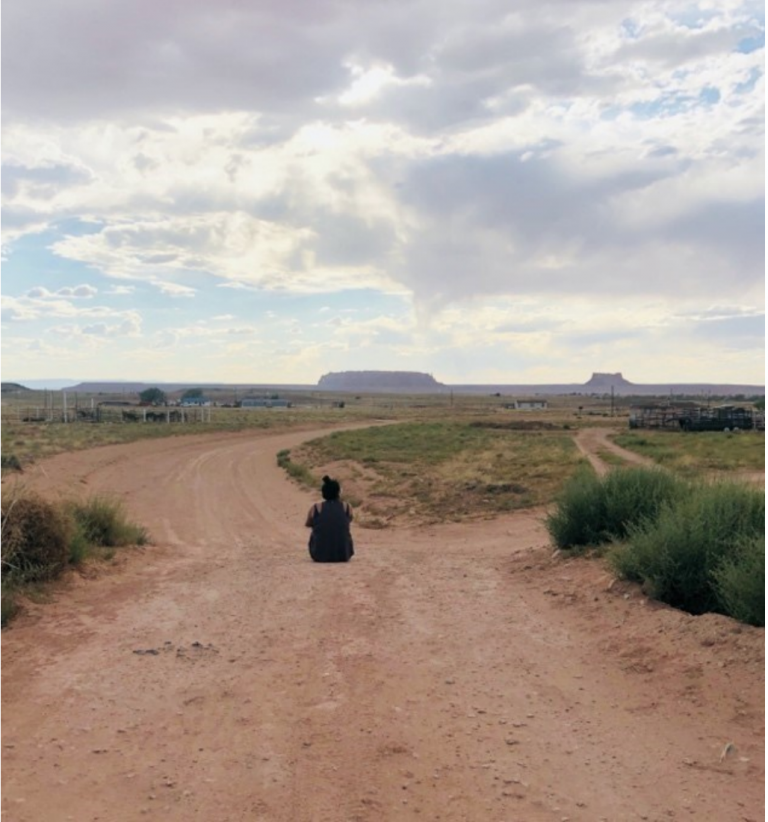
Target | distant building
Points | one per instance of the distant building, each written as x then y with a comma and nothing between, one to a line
527,405
194,401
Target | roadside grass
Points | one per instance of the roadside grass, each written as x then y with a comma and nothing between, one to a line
696,545
25,443
437,471
40,539
591,510
10,462
690,453
102,521
739,581
298,472
610,457
698,549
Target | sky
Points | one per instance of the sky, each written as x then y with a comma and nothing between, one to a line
485,191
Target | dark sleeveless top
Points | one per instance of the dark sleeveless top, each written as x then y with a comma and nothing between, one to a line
331,540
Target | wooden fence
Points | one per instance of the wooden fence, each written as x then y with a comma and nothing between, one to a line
112,414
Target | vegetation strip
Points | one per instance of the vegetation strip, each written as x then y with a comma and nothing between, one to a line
690,453
40,539
696,545
437,471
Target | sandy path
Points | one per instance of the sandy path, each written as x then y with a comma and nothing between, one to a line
448,673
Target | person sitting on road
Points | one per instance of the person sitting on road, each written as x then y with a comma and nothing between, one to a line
331,538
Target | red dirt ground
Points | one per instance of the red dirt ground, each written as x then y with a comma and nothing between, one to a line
459,672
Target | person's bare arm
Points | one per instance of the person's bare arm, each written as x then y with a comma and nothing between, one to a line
311,516
349,511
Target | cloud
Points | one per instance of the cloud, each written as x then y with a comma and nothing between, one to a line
83,291
175,289
191,55
41,182
41,304
459,159
129,326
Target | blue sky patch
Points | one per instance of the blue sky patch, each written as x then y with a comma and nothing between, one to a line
749,44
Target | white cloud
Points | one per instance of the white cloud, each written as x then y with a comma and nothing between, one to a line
49,306
85,291
129,326
175,289
461,154
368,83
78,291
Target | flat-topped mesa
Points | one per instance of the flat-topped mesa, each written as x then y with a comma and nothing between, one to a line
602,381
378,381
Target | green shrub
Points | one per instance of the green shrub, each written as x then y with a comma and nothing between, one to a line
283,457
579,514
10,463
79,546
40,538
635,495
676,556
295,470
8,604
102,521
35,538
739,582
590,510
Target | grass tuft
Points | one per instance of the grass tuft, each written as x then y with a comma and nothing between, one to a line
35,538
697,546
739,581
102,521
40,538
10,463
295,470
590,510
697,553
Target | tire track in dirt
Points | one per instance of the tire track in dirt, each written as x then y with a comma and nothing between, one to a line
592,441
453,672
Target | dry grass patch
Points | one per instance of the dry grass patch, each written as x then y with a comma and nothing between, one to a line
442,471
40,539
690,453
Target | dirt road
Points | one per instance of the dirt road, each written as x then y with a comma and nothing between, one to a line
594,441
457,673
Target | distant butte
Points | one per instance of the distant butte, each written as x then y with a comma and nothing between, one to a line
601,382
378,381
416,382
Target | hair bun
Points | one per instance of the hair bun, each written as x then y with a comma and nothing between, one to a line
326,478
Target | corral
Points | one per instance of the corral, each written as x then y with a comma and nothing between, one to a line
689,416
104,412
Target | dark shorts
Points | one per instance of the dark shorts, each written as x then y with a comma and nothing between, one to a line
337,554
